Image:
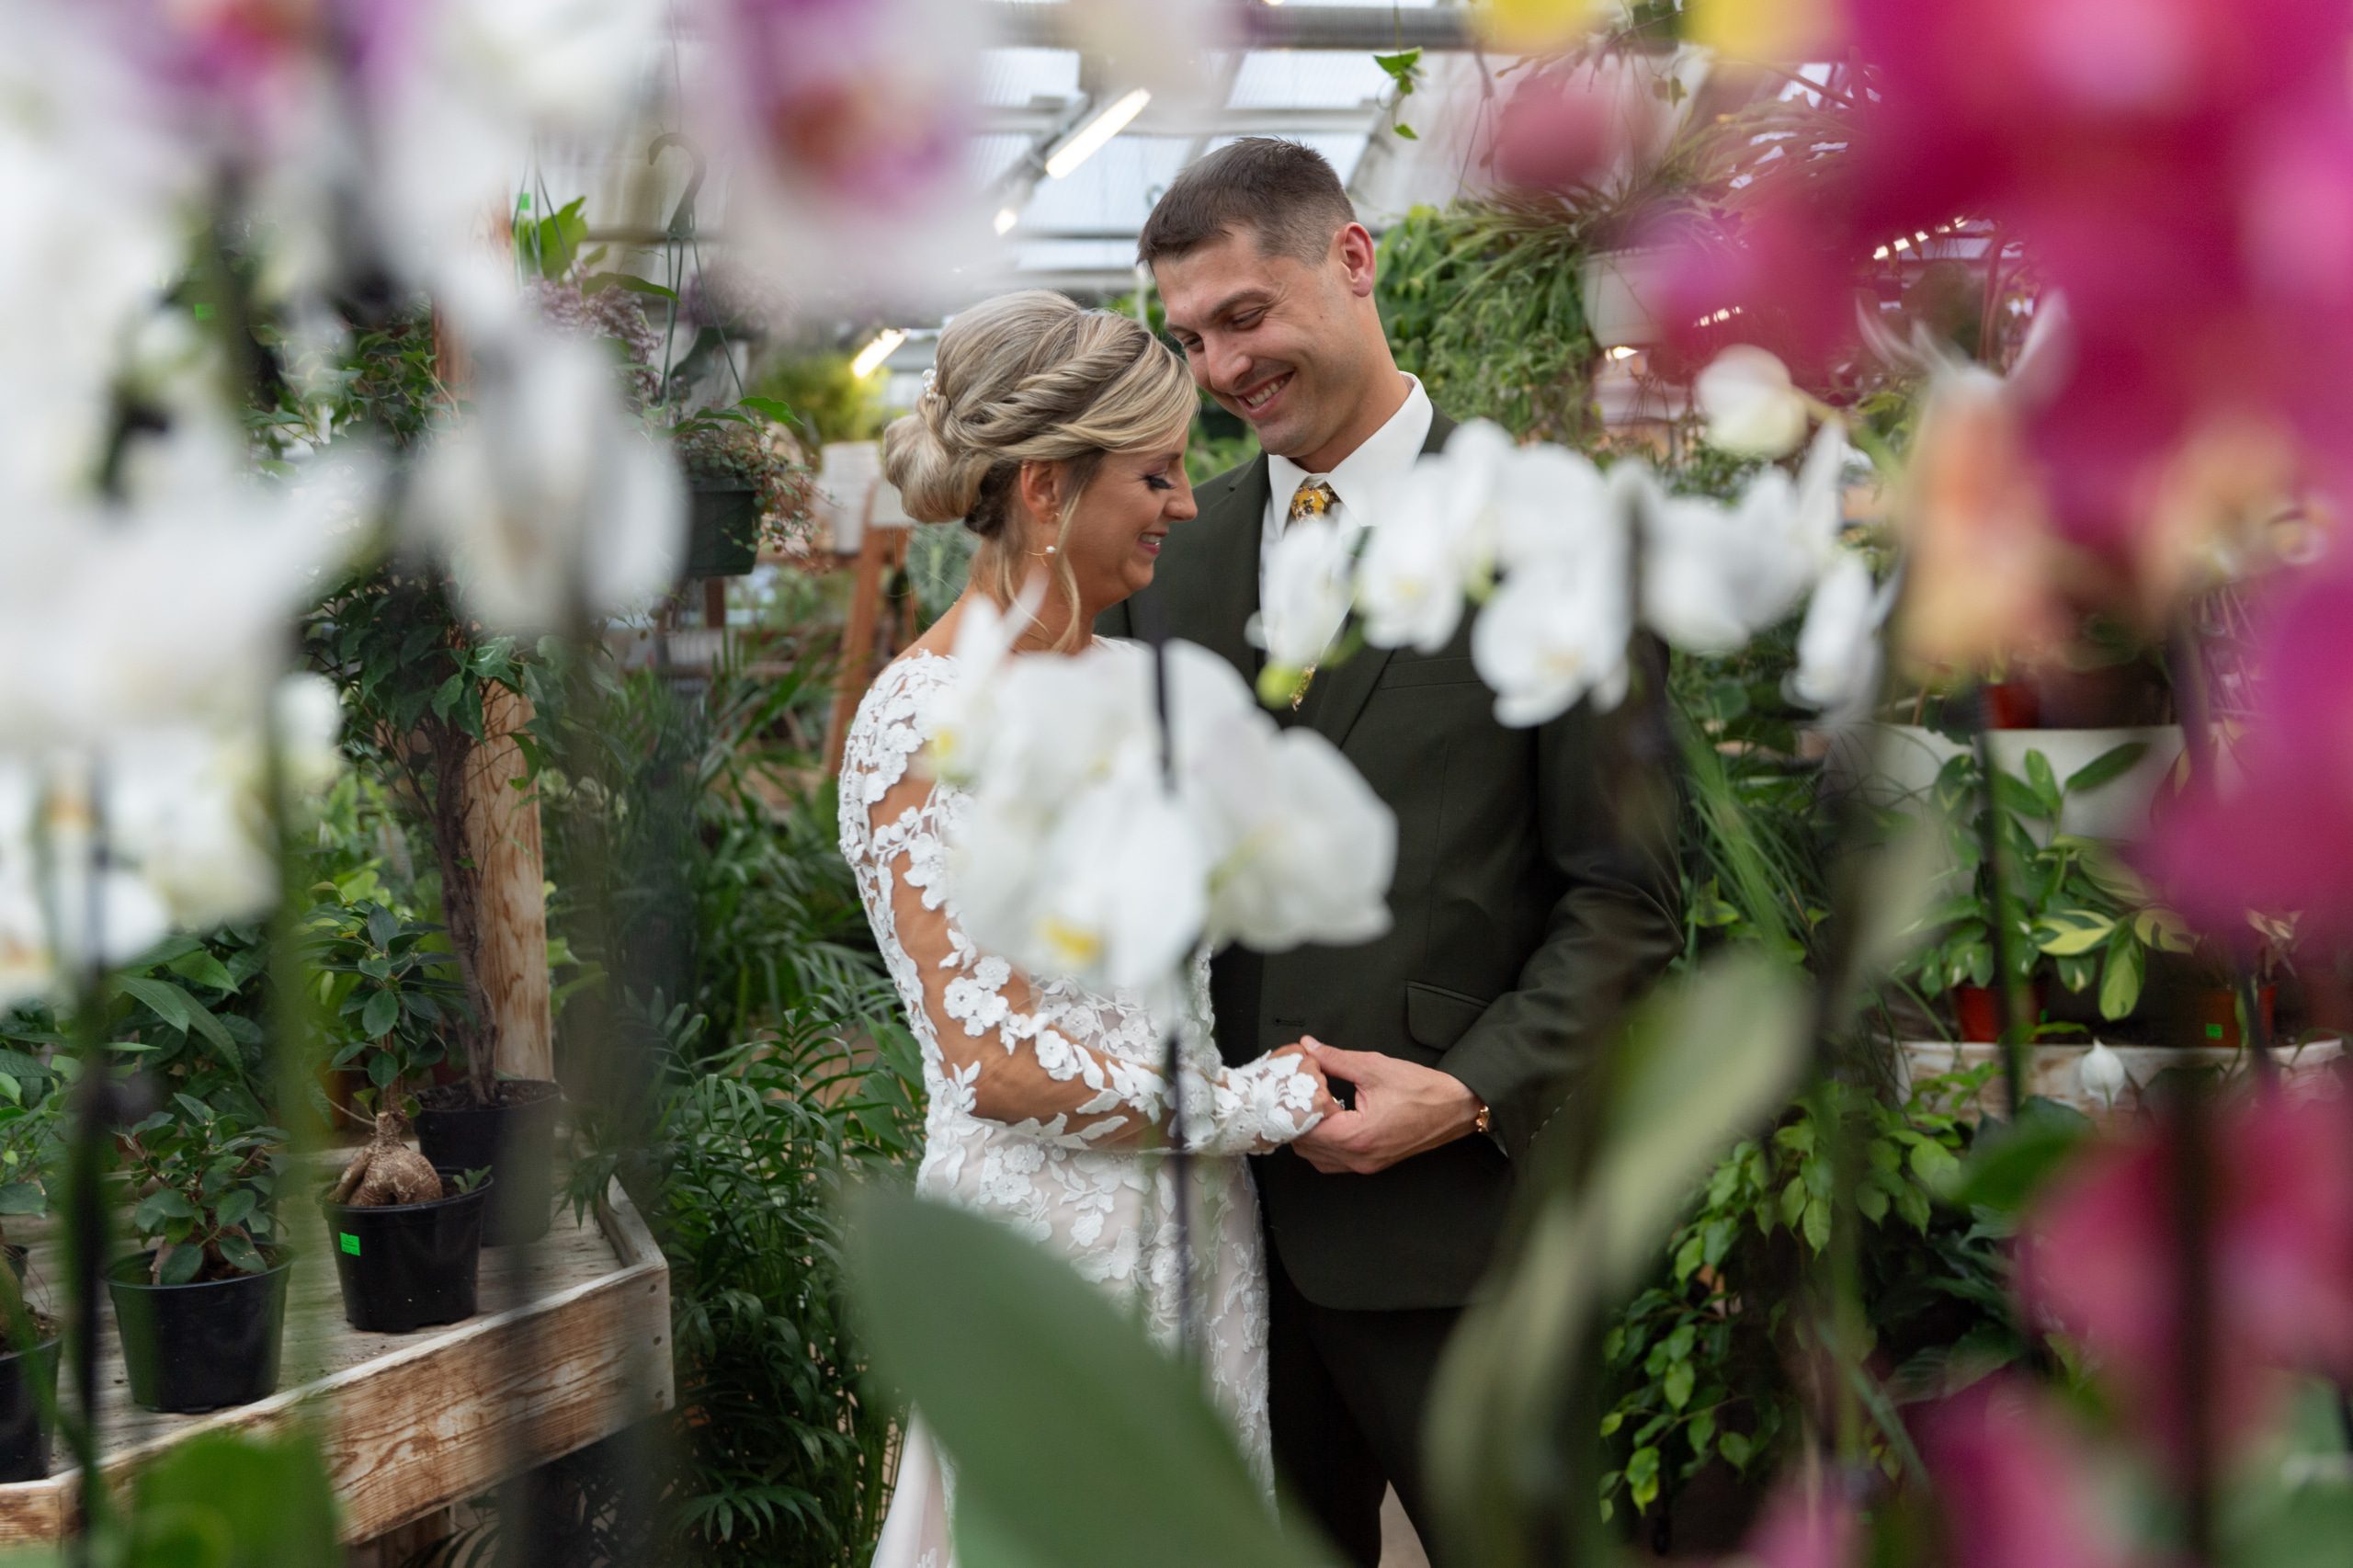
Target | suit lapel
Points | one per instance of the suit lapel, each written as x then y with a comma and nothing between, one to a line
1337,695
1211,581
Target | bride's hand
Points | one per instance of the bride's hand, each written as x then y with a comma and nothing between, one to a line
1304,1063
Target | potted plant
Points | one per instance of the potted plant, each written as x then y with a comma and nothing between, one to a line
28,1366
749,485
417,676
1958,961
201,1310
407,1238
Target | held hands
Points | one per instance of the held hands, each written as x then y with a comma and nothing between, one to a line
1305,1065
1403,1109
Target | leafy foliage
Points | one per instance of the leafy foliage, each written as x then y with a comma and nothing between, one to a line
1701,1359
203,1178
390,994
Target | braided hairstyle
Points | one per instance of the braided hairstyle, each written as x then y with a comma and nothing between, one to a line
1030,377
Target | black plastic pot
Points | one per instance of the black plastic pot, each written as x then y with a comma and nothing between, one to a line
28,1386
407,1266
724,530
514,1140
196,1348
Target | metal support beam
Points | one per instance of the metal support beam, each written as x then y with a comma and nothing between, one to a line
1258,26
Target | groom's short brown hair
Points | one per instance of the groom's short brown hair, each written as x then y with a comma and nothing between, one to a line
1284,193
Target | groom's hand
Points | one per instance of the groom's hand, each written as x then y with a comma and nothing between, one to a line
1403,1109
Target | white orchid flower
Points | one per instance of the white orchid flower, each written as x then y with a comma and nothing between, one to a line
548,490
2101,1076
1412,582
1304,849
1555,634
1838,656
1714,575
1308,591
53,897
1751,406
958,713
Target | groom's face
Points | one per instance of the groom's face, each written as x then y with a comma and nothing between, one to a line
1270,337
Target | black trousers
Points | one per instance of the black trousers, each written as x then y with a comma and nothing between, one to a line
1346,1393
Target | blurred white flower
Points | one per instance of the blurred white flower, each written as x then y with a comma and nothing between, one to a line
1714,575
1750,405
1307,595
175,607
1411,583
1838,656
2101,1076
53,897
1554,634
546,491
1078,859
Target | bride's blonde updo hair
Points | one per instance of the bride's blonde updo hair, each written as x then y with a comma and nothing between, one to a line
1030,377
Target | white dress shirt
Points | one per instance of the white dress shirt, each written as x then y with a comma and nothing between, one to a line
1357,483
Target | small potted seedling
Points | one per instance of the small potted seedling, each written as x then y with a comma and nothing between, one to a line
202,1309
407,1237
28,1336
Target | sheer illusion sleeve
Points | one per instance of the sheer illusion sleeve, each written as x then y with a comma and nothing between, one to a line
1026,1056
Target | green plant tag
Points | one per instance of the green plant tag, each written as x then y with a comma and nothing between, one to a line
350,1243
2214,1031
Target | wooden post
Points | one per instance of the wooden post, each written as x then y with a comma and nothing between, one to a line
880,551
503,838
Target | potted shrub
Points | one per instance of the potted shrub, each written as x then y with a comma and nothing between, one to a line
201,1310
407,1238
1958,960
29,1347
747,485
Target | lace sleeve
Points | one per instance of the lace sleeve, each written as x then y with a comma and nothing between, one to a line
1013,1052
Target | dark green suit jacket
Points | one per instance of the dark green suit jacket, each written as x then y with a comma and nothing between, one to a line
1526,906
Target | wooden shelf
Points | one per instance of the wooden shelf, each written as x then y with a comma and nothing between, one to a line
571,1351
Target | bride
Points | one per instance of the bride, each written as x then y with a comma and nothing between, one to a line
1057,436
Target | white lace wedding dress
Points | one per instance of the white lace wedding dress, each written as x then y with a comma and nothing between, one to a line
1047,1101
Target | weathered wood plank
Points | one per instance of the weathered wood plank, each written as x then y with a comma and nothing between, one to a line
568,1350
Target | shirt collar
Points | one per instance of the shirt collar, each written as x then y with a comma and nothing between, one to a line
1386,454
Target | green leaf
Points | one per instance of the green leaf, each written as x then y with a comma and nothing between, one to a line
1933,1164
241,1254
2068,933
382,1068
1402,68
2112,763
180,1264
166,1001
1816,1225
2010,1163
1677,1384
383,1010
23,1198
238,1205
2044,783
1642,1476
1405,133
635,285
2127,970
224,1500
203,968
1733,1447
158,1207
1073,1430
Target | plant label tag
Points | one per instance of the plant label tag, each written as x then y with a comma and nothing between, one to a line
350,1243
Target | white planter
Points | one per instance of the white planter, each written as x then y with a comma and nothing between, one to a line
1904,759
2055,1071
1621,289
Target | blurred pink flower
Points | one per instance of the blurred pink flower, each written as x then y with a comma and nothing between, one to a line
2099,1260
2016,1490
1803,1528
2276,833
2181,169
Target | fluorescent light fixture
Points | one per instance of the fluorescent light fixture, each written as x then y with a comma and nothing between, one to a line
869,358
1005,218
1623,351
1088,139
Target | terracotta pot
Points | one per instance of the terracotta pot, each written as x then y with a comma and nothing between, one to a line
2011,705
2215,1010
1978,1009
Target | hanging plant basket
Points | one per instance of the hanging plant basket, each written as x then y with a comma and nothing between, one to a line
723,529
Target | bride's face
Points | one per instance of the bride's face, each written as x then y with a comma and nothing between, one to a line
1115,532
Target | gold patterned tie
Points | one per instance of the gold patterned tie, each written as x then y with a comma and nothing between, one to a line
1311,499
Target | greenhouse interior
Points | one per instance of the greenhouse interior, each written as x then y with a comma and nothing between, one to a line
1082,783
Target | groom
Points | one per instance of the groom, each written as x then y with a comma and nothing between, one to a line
1534,891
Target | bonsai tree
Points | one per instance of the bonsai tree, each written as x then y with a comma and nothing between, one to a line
393,996
386,1170
203,1177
